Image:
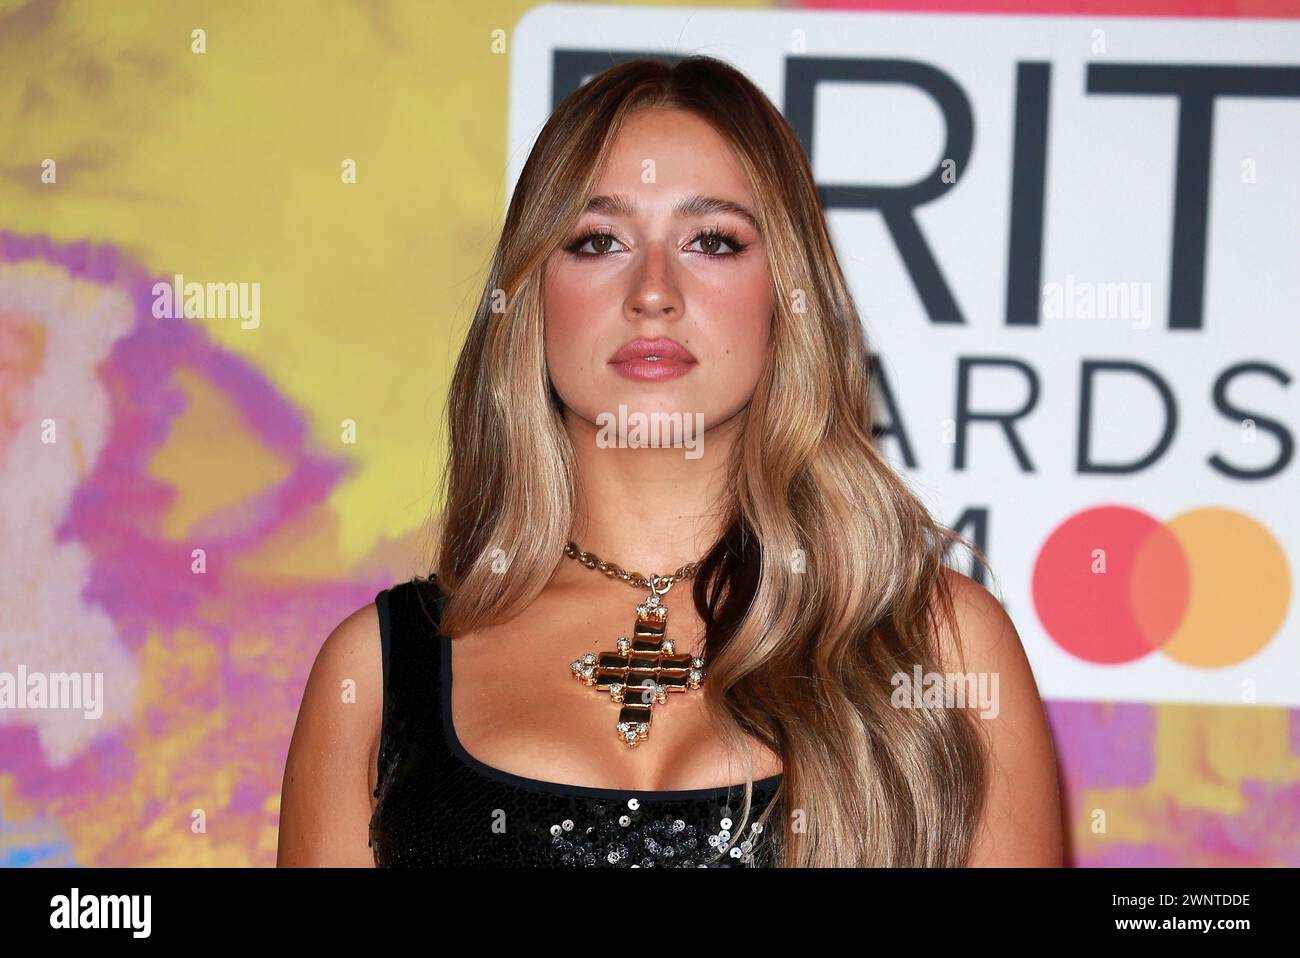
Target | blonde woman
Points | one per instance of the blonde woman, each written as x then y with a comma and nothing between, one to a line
665,260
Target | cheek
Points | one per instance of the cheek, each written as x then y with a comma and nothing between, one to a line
741,313
569,331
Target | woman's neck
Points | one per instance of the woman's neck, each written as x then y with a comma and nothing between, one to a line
650,510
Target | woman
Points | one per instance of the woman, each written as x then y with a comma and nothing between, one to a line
665,253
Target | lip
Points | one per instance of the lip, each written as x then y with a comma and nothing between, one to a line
673,360
661,346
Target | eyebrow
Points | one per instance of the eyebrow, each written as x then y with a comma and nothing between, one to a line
618,205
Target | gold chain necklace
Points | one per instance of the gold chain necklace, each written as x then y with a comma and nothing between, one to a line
648,661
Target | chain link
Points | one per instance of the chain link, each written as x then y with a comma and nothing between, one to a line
659,584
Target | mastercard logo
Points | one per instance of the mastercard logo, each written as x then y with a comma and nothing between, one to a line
1209,587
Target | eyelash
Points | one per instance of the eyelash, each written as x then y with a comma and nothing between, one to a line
711,233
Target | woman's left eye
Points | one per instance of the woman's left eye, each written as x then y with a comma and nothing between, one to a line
712,239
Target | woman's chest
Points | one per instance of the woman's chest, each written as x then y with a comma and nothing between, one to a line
516,703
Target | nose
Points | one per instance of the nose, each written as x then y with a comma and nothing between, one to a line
654,294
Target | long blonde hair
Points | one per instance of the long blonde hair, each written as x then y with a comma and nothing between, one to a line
801,660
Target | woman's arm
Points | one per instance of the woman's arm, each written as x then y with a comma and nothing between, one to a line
1021,825
325,804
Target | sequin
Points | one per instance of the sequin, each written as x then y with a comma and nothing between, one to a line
438,806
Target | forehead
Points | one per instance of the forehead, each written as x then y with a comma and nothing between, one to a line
664,151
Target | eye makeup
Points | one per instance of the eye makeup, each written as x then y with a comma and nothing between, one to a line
574,246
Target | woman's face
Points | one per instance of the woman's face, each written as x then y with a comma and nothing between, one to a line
695,275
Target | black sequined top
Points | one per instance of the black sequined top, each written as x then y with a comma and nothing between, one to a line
440,806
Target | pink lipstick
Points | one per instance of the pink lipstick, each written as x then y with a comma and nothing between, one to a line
652,360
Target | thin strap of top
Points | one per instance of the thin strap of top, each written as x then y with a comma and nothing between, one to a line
410,615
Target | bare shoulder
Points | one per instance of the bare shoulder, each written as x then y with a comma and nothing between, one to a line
352,646
347,677
984,631
325,801
1022,824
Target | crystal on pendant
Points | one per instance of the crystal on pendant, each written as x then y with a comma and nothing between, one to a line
643,671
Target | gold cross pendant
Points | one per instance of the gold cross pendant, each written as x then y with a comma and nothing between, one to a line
642,672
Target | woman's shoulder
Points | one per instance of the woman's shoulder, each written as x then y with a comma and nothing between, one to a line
333,747
980,639
356,634
359,632
348,670
981,631
350,657
1021,823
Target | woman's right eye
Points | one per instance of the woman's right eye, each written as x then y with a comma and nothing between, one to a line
600,242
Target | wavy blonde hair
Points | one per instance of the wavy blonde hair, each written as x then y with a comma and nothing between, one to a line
800,660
